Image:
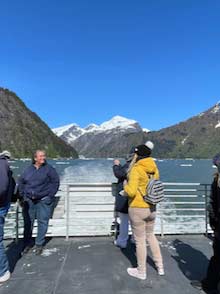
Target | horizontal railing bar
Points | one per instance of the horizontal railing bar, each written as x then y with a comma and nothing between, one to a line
180,223
89,190
180,190
88,184
112,203
181,209
183,196
75,209
93,203
185,203
178,216
110,184
181,184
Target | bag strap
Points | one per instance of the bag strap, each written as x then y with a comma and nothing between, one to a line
150,177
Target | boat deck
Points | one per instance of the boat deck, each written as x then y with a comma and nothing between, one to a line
95,265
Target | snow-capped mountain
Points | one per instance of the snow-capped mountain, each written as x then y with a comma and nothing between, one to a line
73,131
94,140
117,122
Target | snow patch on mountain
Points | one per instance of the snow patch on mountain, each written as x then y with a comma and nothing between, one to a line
218,125
118,122
59,131
216,108
184,140
91,127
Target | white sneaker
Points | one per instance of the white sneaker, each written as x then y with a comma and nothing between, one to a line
161,271
134,272
5,277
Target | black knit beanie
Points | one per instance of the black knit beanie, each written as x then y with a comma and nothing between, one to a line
143,151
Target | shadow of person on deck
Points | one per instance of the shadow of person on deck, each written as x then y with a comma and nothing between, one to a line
130,253
192,262
14,253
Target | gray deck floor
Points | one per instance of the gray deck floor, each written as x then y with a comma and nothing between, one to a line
95,265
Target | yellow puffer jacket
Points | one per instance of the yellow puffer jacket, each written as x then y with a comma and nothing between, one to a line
138,181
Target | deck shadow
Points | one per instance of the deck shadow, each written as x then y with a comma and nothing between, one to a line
130,253
14,253
192,262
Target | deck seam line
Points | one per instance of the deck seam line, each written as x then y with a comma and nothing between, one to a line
61,270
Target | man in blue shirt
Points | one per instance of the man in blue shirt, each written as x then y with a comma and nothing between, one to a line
37,186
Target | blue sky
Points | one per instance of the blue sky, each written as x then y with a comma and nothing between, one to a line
156,61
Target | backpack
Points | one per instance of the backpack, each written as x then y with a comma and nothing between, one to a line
154,192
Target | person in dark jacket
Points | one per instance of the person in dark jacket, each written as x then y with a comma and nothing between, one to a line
7,186
37,186
121,202
212,280
211,283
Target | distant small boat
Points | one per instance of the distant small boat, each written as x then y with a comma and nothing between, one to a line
189,158
186,165
62,162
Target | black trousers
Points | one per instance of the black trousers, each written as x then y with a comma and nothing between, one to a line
212,280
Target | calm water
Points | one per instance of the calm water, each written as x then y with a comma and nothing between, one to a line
100,170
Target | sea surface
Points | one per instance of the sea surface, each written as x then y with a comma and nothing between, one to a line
100,170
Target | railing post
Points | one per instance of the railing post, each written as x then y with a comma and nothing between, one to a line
17,223
67,207
206,210
161,225
116,224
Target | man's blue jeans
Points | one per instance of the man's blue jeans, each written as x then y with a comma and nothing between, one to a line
4,266
40,210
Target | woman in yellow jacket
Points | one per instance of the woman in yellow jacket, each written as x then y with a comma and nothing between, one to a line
142,215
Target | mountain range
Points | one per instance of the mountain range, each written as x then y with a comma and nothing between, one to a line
22,131
112,138
197,137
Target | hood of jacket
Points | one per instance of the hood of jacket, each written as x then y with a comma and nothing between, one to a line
147,164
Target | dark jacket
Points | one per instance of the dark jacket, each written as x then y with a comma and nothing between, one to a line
121,202
39,183
7,182
214,206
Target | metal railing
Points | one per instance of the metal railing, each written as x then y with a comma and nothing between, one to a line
88,210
